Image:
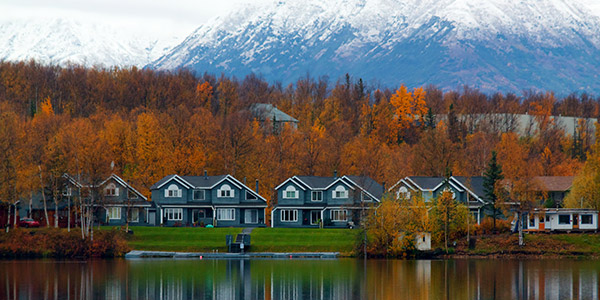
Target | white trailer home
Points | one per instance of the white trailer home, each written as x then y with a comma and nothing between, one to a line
561,219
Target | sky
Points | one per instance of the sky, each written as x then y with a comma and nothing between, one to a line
161,17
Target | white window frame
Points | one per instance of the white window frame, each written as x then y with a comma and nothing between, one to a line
173,191
131,194
336,213
174,214
312,196
363,195
134,212
201,198
225,191
288,215
563,223
252,196
225,214
403,192
67,191
254,222
340,192
114,213
587,215
451,191
290,192
111,190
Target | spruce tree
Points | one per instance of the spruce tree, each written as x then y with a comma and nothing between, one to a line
492,175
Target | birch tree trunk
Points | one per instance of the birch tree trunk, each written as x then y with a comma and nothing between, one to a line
44,197
8,220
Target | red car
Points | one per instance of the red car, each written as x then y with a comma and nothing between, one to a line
28,222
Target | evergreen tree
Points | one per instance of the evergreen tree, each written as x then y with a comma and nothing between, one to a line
492,175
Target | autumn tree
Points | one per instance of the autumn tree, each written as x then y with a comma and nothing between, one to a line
8,162
585,192
449,218
409,109
491,184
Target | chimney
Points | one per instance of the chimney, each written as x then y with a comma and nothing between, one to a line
205,174
335,174
257,186
244,180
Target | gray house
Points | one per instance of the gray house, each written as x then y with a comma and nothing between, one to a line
466,190
207,200
120,203
334,202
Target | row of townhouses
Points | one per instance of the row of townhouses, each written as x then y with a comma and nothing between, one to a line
301,201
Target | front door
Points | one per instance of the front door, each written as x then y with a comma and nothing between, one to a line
542,223
152,217
251,216
575,221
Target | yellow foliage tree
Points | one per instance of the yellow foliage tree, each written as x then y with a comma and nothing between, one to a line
409,107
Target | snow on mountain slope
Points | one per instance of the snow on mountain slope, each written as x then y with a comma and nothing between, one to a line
489,44
61,41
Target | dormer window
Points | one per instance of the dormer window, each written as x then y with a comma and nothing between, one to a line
340,192
290,192
111,190
451,191
225,192
403,193
173,191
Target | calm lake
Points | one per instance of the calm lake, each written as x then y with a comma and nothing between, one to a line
300,279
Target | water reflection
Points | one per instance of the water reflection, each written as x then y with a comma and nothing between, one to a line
299,279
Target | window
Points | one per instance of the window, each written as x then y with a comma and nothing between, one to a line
290,192
317,196
174,214
225,192
131,194
564,219
542,218
251,216
114,213
250,196
451,191
67,191
173,191
198,214
289,215
587,220
340,192
547,218
365,197
338,215
198,195
134,215
315,217
225,214
403,193
111,190
531,222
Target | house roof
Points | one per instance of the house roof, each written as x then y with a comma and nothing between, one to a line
368,184
265,111
202,181
316,182
426,183
124,184
554,183
474,184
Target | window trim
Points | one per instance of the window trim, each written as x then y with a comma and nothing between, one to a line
67,191
312,196
290,189
252,209
111,190
591,218
174,214
112,210
253,197
221,192
363,195
563,223
203,195
292,215
338,189
130,193
219,216
173,193
338,211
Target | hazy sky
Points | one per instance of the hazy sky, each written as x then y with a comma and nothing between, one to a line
164,17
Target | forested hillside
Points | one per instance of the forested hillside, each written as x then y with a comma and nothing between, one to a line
146,124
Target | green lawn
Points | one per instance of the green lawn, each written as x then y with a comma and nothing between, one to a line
197,239
183,239
303,240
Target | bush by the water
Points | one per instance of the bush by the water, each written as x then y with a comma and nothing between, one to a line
58,243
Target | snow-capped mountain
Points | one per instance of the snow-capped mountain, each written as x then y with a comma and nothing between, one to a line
62,41
506,45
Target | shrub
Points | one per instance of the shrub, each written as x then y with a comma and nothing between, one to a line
487,226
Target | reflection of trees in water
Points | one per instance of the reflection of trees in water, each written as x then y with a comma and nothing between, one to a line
300,279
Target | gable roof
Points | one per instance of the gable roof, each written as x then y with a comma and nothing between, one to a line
474,185
554,183
204,182
124,184
168,178
425,183
317,182
368,185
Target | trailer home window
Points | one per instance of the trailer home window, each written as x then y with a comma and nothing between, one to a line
564,219
586,219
